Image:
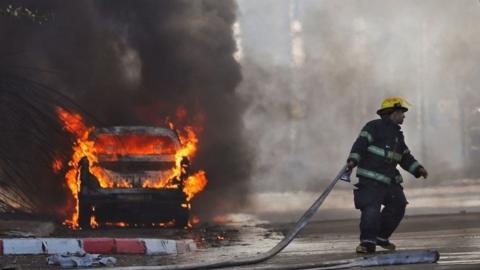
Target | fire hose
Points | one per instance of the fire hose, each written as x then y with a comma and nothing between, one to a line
424,256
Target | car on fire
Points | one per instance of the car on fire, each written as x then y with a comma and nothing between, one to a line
142,188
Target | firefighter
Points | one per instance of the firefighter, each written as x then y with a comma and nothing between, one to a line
377,151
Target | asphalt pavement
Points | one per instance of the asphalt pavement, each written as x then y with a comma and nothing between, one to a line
455,236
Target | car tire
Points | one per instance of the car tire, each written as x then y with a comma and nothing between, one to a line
181,221
84,214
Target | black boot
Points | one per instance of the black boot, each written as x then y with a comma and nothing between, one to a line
366,247
384,243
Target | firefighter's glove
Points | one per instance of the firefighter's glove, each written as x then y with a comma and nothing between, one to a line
350,165
423,172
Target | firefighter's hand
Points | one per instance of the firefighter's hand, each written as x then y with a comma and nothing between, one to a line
423,172
350,165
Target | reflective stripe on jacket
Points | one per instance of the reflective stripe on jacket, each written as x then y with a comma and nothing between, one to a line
379,148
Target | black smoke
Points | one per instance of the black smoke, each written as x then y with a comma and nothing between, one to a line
135,63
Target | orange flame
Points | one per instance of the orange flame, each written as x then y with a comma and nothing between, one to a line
194,220
131,144
116,224
134,145
73,123
194,184
93,222
57,165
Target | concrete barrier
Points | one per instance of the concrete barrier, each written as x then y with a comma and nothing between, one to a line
99,245
129,246
61,245
147,246
184,246
22,246
160,246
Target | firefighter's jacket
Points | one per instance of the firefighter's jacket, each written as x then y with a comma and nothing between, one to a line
378,150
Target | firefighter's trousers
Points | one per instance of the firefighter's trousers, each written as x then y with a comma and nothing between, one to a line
375,222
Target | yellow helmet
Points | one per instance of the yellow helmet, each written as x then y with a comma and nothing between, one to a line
392,103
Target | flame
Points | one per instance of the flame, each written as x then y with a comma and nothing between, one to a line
115,146
189,142
117,224
194,184
93,222
170,223
73,123
197,182
194,220
133,145
57,165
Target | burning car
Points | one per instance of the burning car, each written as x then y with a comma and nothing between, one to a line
130,175
135,159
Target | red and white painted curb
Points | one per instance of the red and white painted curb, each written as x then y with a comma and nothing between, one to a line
146,246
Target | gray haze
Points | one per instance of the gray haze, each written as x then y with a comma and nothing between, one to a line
314,72
305,111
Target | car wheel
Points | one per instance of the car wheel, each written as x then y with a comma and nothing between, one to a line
84,214
181,220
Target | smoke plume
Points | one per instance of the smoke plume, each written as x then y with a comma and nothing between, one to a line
136,63
307,108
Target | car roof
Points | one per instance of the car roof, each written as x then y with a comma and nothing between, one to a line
140,130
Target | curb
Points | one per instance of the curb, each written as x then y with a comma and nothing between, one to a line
144,246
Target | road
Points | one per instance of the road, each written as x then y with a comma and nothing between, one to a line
455,236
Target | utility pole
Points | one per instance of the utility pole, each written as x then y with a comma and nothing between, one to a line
360,52
421,87
297,59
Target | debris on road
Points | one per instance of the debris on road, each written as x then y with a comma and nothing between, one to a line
80,259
